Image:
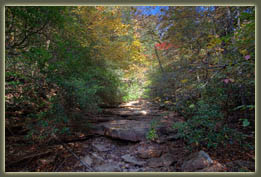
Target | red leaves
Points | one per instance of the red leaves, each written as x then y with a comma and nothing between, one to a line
164,46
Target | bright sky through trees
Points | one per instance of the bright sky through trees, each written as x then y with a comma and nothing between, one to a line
151,10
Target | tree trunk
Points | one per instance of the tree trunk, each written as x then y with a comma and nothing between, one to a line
238,18
157,55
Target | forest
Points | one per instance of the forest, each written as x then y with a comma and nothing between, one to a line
129,88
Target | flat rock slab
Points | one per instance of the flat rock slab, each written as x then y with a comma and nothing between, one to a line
131,113
130,130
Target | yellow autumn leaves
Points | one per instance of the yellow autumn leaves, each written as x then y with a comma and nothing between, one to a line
104,28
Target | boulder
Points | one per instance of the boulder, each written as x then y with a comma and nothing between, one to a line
196,161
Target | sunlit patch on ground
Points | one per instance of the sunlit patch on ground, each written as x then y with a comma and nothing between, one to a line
144,112
131,103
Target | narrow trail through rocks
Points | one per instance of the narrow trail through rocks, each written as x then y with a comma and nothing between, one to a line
120,143
117,140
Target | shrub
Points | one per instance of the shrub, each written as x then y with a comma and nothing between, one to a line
207,128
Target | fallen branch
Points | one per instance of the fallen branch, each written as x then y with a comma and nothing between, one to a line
67,148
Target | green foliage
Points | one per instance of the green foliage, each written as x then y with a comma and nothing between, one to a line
244,107
209,73
152,134
245,122
203,128
62,59
27,26
133,91
79,92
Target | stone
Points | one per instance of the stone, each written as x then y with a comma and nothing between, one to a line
149,151
164,161
154,169
134,170
101,147
155,162
172,137
127,129
46,161
108,167
131,113
216,167
129,104
130,159
130,130
87,160
168,159
196,161
98,158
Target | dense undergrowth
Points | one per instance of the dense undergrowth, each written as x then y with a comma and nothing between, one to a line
213,89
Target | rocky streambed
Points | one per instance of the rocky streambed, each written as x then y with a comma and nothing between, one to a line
121,144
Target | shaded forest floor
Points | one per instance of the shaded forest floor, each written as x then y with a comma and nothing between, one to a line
133,137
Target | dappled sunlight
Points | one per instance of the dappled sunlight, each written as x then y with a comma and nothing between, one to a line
131,103
144,112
